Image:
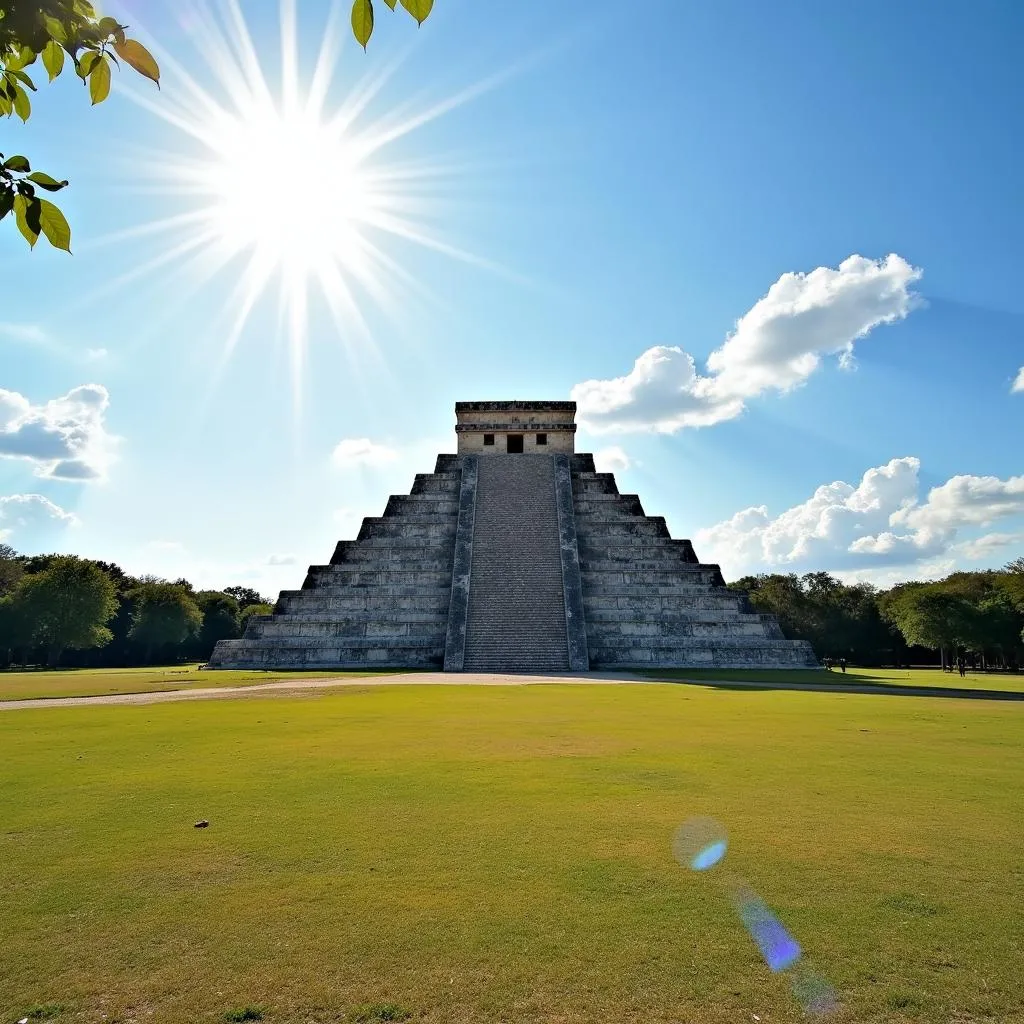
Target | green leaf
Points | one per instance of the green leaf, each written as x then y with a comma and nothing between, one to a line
390,3
54,225
419,9
24,79
17,163
55,28
44,180
108,26
137,56
53,59
28,227
87,63
362,21
22,106
99,82
6,203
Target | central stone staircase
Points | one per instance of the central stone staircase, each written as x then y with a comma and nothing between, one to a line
516,617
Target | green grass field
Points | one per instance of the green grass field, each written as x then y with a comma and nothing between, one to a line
94,682
471,854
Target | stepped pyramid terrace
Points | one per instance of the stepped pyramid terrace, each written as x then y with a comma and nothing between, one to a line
514,555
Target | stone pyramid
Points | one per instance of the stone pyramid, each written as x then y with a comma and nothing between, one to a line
514,555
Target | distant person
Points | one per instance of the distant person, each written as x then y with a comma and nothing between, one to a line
842,665
828,664
962,666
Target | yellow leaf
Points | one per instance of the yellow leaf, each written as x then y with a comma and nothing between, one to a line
419,9
137,56
21,218
362,21
99,82
54,226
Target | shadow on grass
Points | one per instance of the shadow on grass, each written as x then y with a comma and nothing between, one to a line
848,685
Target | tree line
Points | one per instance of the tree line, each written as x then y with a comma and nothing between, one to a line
974,616
61,610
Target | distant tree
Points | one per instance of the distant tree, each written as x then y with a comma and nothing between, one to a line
13,633
12,568
253,609
362,16
52,31
164,614
1016,566
929,616
220,620
245,596
67,605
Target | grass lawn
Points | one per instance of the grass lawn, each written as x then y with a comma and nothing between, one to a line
92,682
472,854
862,676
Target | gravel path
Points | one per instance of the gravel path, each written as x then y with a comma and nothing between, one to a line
300,685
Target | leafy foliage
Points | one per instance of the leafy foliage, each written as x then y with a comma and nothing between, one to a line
253,609
362,16
51,31
165,613
67,605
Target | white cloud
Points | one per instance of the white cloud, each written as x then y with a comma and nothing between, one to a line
612,460
1018,384
987,545
94,354
776,345
26,511
879,522
32,333
66,438
361,451
282,560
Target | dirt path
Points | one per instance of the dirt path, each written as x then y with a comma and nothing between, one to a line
300,685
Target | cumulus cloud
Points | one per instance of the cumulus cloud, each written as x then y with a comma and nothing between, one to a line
775,346
1018,384
879,522
989,544
361,451
612,460
65,439
27,511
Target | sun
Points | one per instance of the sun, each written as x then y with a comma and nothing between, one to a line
292,185
246,169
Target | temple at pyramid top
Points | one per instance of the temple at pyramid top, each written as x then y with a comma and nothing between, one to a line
530,563
516,428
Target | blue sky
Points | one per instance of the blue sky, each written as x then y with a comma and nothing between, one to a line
823,201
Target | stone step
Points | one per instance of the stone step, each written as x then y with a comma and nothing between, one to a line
709,654
423,505
606,631
380,558
608,506
291,627
598,616
301,655
598,531
437,483
346,575
581,462
633,548
446,464
407,527
324,602
594,483
710,599
681,573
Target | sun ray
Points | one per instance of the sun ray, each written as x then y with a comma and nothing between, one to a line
293,249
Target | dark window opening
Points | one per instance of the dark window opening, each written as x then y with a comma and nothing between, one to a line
515,444
542,439
488,439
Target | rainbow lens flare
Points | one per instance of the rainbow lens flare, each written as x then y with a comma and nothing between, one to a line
779,949
699,843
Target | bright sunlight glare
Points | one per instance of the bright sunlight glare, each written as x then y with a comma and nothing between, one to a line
293,185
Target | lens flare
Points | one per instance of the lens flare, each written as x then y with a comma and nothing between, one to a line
779,949
699,843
